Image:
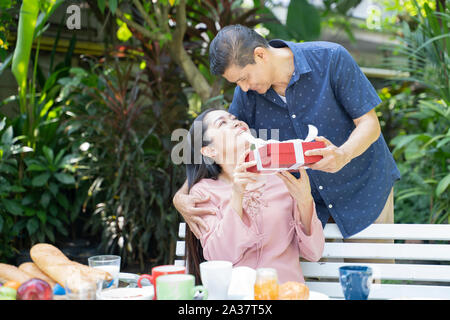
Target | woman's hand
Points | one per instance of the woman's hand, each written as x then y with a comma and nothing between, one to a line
240,180
300,190
241,177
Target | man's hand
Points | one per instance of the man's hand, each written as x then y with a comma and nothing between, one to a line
367,131
187,206
334,159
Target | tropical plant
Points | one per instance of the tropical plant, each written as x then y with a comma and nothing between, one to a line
130,174
10,206
423,148
48,179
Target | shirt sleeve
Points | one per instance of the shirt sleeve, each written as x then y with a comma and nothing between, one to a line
311,246
228,237
350,85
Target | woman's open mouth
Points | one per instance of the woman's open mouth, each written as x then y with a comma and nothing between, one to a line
242,130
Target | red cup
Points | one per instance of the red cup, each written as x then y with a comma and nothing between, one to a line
160,271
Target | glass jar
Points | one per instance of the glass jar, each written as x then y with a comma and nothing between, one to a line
266,284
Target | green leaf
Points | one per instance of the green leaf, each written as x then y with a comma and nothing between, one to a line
48,153
113,5
40,180
123,33
303,20
45,199
12,207
101,5
1,223
42,216
65,178
32,225
7,136
442,185
49,233
62,200
28,199
25,35
53,188
401,141
36,167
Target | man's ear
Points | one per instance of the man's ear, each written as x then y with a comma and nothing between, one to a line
209,152
260,53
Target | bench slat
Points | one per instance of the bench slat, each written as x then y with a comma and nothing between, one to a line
182,230
385,291
395,232
412,272
180,249
387,251
180,263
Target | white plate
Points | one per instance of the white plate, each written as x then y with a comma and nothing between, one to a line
128,276
145,293
314,295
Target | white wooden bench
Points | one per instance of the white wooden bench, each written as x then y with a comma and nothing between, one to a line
421,270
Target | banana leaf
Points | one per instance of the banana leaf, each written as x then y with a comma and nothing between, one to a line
25,34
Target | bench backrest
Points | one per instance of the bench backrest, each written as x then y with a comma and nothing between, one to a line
421,270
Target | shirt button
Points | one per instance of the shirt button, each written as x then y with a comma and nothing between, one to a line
320,187
330,206
293,116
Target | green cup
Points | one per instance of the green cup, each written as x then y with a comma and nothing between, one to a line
178,287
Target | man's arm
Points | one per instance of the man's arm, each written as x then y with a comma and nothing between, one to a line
335,158
187,207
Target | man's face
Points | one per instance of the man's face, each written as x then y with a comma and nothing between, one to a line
254,76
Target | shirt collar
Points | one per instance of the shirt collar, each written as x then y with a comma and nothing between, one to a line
300,64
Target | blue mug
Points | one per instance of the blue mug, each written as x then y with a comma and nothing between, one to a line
355,282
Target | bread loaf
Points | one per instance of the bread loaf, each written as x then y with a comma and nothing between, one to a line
292,290
33,270
56,265
12,273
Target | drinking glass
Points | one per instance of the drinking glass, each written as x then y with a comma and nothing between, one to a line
108,263
266,284
78,288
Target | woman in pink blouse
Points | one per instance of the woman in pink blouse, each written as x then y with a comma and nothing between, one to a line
260,220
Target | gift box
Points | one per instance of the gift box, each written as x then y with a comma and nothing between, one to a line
289,156
273,156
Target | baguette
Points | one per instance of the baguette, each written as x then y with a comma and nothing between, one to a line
12,273
57,266
33,270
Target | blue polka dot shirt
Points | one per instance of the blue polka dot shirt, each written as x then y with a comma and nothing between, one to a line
327,90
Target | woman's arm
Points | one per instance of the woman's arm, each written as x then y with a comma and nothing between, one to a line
309,234
229,236
307,225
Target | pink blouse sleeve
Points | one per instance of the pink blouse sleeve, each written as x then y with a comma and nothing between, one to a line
310,246
228,237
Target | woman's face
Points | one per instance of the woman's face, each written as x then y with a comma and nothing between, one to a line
227,135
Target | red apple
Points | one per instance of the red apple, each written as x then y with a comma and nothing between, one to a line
35,289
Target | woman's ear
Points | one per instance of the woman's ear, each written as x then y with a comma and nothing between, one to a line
209,152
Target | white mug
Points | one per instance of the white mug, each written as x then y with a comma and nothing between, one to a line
216,277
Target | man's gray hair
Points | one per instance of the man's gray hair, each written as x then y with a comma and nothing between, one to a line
234,45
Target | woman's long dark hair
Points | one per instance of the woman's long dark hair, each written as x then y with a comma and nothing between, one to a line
199,167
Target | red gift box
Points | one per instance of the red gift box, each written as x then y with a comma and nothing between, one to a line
282,155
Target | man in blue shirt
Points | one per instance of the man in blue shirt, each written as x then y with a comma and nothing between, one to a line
285,86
